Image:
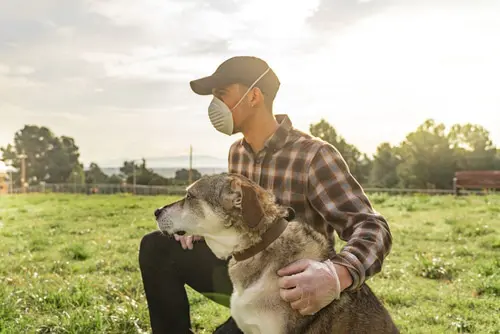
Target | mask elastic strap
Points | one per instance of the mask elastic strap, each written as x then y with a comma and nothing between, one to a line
249,88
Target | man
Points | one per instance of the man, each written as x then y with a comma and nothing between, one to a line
302,171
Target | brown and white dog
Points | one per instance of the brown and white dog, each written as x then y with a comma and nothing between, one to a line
239,219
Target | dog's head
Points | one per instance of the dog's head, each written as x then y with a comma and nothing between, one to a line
226,209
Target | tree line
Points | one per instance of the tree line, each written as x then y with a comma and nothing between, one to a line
53,159
427,158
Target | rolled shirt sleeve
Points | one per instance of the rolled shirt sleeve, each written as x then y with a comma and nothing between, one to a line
337,196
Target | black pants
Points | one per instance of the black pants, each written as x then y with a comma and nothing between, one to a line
166,267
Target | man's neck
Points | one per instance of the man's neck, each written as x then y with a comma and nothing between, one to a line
260,130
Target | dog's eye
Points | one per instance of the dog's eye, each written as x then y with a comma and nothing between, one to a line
189,196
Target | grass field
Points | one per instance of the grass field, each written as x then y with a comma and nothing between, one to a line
69,264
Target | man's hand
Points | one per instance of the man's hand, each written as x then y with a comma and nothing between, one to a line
187,240
310,285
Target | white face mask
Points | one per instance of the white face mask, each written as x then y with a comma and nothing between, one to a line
221,116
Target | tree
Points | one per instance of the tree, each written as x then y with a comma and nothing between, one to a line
77,175
384,167
128,168
473,147
363,169
34,141
359,164
496,166
115,179
95,175
48,158
427,160
183,175
62,160
143,175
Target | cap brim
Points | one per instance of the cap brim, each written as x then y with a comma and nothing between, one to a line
204,86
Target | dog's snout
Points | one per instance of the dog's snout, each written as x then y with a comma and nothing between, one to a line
157,212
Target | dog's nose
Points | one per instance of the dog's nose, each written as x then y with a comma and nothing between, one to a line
157,212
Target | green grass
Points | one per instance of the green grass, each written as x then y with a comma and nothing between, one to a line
69,264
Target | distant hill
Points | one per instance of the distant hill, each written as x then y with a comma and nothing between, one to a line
199,162
167,166
169,171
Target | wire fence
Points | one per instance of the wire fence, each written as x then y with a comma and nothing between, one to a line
107,189
177,190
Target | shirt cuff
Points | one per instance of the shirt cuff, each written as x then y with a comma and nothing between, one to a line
353,266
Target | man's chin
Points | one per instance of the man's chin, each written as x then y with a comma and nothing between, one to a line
236,130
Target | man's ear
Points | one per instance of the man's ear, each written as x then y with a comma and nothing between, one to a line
256,97
244,198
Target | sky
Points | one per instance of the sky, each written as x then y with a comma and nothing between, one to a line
114,74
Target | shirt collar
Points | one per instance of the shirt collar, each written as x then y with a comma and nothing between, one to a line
279,138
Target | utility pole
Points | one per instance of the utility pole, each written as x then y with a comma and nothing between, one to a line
190,177
23,156
133,168
11,181
74,181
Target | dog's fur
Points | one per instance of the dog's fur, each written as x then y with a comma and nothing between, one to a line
226,210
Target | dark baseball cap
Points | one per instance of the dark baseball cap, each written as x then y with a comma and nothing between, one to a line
243,70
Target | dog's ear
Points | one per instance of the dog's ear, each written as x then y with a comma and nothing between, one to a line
251,208
244,198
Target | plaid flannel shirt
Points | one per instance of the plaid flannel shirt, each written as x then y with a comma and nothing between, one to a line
312,177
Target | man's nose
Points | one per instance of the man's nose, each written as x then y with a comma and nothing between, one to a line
157,212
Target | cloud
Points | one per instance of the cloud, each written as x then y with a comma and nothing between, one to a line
335,15
4,69
114,74
16,77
